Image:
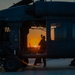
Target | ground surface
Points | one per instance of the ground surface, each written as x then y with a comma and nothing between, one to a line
54,67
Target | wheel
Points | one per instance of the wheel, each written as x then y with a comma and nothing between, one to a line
11,64
25,62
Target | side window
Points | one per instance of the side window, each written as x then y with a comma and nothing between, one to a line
7,29
53,26
58,32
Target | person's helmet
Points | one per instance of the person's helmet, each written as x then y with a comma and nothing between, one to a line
42,36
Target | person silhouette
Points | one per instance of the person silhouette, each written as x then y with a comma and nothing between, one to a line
42,50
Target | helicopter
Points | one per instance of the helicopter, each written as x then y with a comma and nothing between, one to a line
16,21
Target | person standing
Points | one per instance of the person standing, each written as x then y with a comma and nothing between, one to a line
42,50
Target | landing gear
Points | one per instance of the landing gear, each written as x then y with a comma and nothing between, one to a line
11,64
25,62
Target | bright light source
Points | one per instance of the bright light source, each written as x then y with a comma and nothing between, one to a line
35,46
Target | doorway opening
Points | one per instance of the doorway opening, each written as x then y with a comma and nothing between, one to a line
34,37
